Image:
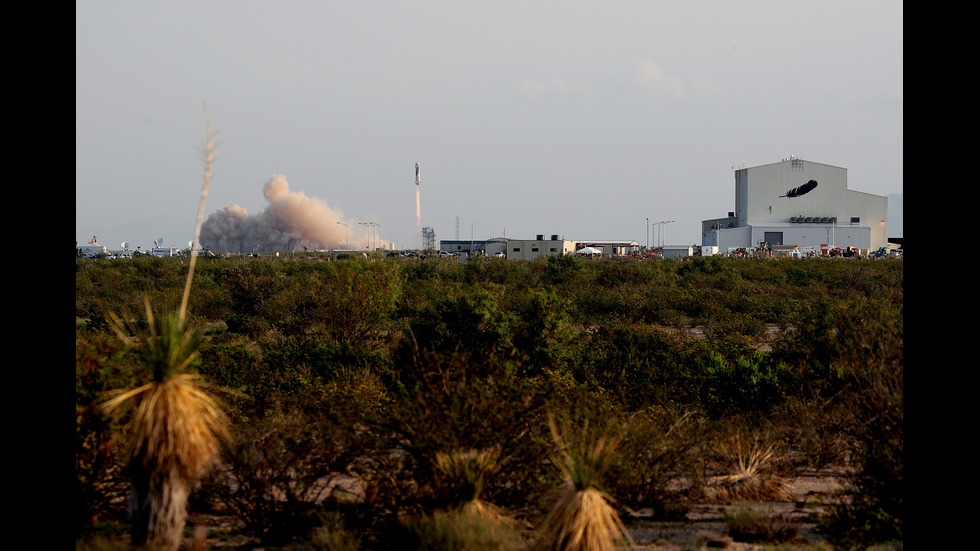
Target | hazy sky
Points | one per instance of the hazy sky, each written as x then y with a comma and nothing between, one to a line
582,119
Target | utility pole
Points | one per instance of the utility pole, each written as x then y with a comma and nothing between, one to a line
346,236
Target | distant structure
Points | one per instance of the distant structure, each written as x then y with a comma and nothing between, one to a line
798,203
469,246
530,249
90,250
428,239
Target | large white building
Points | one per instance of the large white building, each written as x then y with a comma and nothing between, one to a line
828,215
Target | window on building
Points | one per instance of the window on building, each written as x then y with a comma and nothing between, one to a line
534,249
517,249
855,220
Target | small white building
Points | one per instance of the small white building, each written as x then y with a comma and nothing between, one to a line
164,251
768,210
674,252
90,250
529,249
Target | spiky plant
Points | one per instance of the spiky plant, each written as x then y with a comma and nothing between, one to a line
583,519
749,479
466,472
175,429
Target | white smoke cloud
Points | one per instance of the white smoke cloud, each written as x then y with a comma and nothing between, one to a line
291,222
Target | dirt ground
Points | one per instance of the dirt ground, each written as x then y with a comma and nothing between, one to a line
703,529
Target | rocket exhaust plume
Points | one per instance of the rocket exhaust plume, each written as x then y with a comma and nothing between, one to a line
290,222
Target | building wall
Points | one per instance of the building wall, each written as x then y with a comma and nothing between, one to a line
462,245
764,185
728,239
529,249
517,249
495,247
804,235
674,252
812,235
861,218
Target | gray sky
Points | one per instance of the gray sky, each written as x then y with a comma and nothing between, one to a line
582,119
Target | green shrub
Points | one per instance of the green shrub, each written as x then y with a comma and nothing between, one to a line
544,334
234,363
868,349
641,365
816,429
747,384
473,321
281,463
562,269
448,403
660,450
873,506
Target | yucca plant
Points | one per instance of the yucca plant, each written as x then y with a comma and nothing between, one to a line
175,429
466,473
749,479
583,518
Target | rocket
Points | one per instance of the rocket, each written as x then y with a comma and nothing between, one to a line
418,174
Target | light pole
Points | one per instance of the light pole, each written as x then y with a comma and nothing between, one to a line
346,236
379,235
369,225
648,233
471,236
663,223
664,232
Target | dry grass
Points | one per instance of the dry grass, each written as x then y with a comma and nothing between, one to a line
461,531
466,473
750,479
760,526
208,156
583,518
